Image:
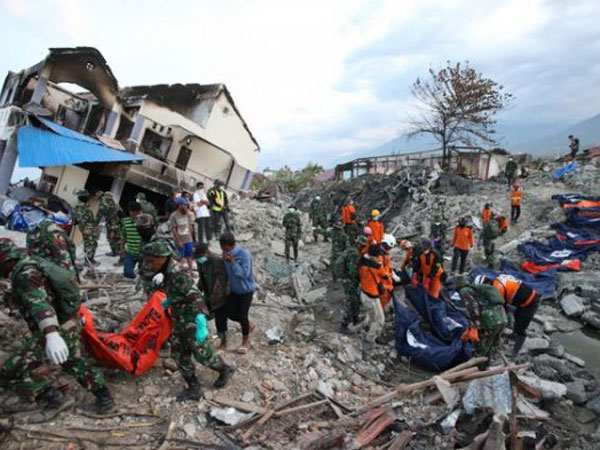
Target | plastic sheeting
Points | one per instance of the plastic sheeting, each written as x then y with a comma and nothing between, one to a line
576,237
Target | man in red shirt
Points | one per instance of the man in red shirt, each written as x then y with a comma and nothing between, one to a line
462,241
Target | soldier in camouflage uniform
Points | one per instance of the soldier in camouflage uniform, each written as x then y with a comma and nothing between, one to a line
188,311
55,334
485,307
293,230
50,241
112,216
488,235
339,243
438,232
318,216
147,207
346,265
88,225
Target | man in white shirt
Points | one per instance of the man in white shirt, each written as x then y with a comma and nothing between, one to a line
203,225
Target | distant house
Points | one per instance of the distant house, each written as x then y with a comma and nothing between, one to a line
124,140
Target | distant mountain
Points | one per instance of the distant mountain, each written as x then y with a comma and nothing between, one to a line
588,132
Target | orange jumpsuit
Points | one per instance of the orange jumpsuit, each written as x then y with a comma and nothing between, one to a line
387,280
348,214
378,229
431,267
486,214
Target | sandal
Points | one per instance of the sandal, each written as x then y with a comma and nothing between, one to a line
242,350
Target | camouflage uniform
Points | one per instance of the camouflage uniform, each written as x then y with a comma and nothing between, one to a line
488,235
147,207
85,220
318,215
351,283
486,313
50,241
40,308
438,231
112,216
339,243
293,231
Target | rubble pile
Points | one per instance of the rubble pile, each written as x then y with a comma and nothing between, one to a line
303,385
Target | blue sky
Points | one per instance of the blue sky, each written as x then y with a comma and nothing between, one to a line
323,80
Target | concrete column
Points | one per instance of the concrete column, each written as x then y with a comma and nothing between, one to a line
39,91
111,124
117,188
8,162
2,147
137,129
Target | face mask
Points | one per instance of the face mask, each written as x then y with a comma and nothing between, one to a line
202,260
292,210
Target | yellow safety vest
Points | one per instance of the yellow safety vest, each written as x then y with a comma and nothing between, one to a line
220,200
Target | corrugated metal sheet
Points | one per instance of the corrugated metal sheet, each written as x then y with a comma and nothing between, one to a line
66,132
41,148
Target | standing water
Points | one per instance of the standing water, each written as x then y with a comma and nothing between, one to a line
585,344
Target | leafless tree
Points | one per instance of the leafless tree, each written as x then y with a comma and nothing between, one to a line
458,106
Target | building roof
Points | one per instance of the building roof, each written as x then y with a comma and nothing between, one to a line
180,97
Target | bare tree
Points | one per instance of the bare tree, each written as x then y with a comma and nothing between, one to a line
459,106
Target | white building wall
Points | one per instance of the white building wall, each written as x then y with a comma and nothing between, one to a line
70,180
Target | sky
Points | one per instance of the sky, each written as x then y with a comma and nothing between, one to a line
324,80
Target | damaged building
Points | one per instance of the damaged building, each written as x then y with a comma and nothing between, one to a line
68,116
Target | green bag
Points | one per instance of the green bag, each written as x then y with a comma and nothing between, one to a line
64,284
490,230
491,306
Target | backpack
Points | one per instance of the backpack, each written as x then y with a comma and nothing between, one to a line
64,285
491,305
490,231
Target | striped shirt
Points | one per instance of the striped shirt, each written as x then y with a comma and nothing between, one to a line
131,236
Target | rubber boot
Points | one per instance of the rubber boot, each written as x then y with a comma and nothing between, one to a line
519,341
53,402
225,372
104,401
193,391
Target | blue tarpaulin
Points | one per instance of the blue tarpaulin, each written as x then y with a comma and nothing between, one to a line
424,348
553,252
576,237
41,148
544,283
574,198
565,170
584,217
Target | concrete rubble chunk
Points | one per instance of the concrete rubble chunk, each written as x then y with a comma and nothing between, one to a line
450,394
550,389
591,319
594,405
572,305
576,392
536,344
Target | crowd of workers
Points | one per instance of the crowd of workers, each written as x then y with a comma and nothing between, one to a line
45,289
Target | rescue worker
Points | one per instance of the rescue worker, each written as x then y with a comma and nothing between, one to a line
293,231
349,220
389,277
462,241
214,285
487,318
88,225
376,225
367,233
188,311
219,207
486,213
347,266
339,243
428,269
516,198
147,207
488,235
143,221
112,214
409,253
520,298
573,146
437,233
371,274
55,337
502,223
511,171
49,241
318,217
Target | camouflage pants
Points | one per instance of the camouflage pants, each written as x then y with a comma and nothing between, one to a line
184,346
489,341
291,241
352,230
320,229
90,243
113,235
26,370
489,247
352,306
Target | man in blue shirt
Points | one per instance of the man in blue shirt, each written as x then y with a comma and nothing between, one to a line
238,263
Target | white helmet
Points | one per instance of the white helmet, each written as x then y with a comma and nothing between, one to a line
388,240
318,197
480,279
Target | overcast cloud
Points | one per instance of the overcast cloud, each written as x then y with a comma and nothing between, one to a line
318,80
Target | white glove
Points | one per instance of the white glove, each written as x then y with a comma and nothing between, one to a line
395,277
158,279
56,348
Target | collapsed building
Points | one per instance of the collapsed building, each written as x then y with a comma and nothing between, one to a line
124,140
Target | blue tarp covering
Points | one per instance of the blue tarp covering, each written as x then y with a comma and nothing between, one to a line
573,198
577,237
423,348
565,170
41,148
554,252
584,217
544,283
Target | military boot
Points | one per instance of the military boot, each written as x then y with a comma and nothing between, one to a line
225,372
53,402
519,341
104,401
193,391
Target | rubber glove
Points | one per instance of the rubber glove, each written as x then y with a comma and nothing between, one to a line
395,277
414,280
56,348
165,304
426,283
158,279
201,328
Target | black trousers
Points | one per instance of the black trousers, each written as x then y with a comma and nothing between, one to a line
524,316
203,229
462,255
238,307
221,316
217,218
515,213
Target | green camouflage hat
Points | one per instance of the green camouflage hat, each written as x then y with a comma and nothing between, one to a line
159,247
83,193
9,250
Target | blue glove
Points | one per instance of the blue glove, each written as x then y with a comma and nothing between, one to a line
165,304
201,328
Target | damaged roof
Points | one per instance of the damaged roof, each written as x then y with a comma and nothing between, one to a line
180,97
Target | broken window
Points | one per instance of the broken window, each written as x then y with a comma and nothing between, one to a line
124,130
183,158
68,117
48,183
95,120
155,145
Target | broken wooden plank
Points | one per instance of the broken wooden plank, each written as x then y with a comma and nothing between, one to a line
322,441
470,363
373,430
285,412
401,441
242,406
264,419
